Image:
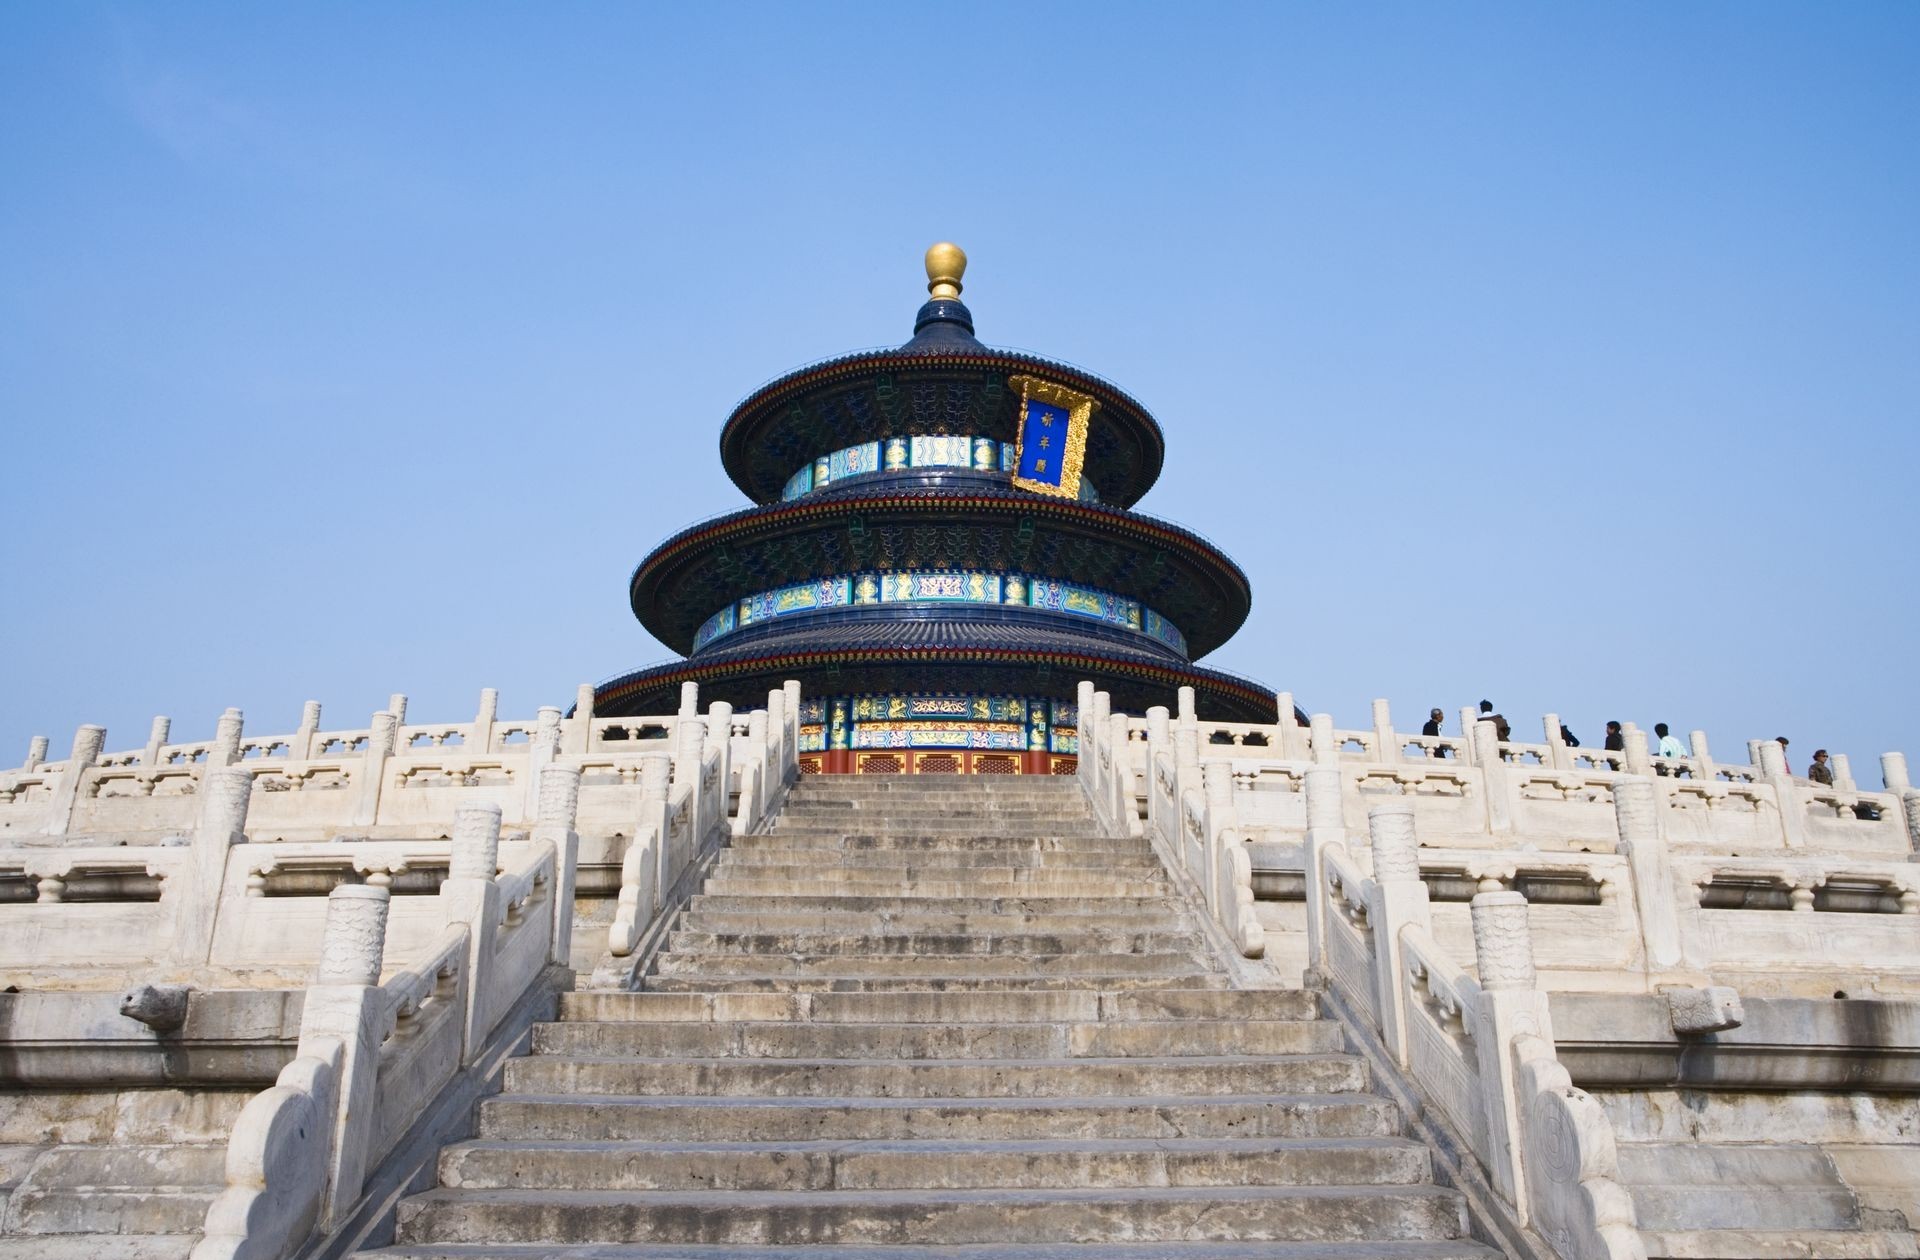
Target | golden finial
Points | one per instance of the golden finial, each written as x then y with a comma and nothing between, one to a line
946,263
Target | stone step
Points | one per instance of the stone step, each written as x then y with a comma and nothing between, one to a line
936,819
843,983
979,841
796,1040
884,904
774,920
942,1216
1788,1244
135,1189
718,966
1373,1249
607,1118
805,882
1005,1006
1685,1186
892,870
833,1165
87,1210
935,944
972,791
935,1078
936,859
99,1246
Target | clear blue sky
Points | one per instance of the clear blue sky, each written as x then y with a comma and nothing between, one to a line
1565,356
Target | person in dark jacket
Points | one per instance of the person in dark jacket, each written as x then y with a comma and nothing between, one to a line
1616,738
1820,771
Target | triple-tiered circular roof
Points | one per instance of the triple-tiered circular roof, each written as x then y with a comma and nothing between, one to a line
969,520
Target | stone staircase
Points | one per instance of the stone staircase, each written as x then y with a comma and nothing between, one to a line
119,1197
937,1019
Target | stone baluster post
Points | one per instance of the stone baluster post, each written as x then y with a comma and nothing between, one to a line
1398,898
1119,783
226,739
1159,745
1217,784
656,771
1910,805
483,720
1637,805
1494,777
397,705
156,740
1088,767
792,688
1095,724
373,768
1793,811
542,750
1558,755
1159,728
345,1006
1326,824
1893,773
1753,752
1325,748
1635,759
720,741
1293,736
1510,1005
556,823
1385,745
750,770
225,793
580,728
1702,755
471,895
779,754
1468,716
1843,774
719,724
302,747
87,743
1185,706
689,699
36,752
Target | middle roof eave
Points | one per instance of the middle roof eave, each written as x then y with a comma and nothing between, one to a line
1168,569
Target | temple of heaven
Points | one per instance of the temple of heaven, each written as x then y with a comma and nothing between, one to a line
941,547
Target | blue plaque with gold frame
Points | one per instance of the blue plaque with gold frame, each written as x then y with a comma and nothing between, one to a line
1051,438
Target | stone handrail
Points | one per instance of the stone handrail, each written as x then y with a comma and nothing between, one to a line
1632,870
372,1057
684,816
1188,810
1478,1050
215,873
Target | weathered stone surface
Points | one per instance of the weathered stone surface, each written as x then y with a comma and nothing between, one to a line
976,1036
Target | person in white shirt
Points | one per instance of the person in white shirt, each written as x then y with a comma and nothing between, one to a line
1669,746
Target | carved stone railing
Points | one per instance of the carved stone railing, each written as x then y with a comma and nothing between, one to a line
684,815
215,872
1188,808
372,1056
1478,1050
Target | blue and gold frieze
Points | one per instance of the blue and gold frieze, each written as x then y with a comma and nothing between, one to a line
942,586
988,723
986,736
903,454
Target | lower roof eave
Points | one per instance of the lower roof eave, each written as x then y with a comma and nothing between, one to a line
744,681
